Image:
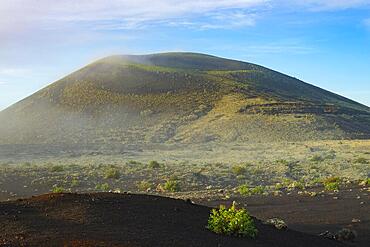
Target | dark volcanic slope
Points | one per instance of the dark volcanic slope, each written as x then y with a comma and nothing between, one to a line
313,215
125,220
180,97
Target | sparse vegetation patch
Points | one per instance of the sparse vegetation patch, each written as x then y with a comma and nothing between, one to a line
112,173
172,185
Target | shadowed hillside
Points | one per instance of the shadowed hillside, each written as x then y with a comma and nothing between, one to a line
180,97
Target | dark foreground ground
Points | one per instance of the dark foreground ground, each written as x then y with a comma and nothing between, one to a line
107,219
349,208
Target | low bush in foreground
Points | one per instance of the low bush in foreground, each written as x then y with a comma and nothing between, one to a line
232,221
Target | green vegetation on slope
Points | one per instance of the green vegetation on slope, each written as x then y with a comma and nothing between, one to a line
180,97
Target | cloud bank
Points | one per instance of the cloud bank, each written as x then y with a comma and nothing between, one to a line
116,14
127,14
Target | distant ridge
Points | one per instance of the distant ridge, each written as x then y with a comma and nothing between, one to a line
181,97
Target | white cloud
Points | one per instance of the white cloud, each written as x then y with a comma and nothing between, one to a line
218,20
135,14
113,14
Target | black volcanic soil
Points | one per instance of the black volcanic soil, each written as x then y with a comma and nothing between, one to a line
349,208
107,219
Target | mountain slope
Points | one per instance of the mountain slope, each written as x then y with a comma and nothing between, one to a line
180,97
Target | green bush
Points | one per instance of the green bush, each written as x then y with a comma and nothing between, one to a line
75,182
331,180
279,186
57,168
172,185
154,164
112,173
102,187
246,191
232,221
58,189
239,170
258,190
365,182
144,185
332,186
296,185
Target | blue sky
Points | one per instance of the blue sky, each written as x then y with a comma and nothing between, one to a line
325,43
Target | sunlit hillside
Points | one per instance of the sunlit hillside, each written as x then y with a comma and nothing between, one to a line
181,97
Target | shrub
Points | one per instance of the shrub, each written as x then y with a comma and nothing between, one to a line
102,187
172,185
361,160
244,190
154,164
144,185
332,186
317,158
279,186
75,182
232,221
365,182
346,235
331,180
57,168
283,162
133,162
258,190
57,189
296,185
239,170
112,173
